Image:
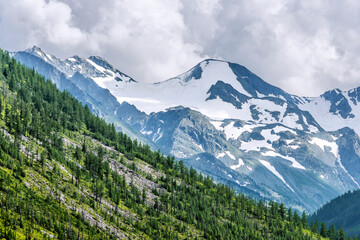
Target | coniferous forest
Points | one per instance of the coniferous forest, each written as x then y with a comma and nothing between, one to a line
342,211
67,174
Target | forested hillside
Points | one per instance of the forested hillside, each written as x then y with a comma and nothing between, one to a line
342,211
67,174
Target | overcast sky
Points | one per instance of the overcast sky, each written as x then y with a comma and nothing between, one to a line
305,47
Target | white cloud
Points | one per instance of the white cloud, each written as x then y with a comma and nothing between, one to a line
27,22
305,47
146,38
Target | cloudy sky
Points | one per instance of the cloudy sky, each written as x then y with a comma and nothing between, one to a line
302,46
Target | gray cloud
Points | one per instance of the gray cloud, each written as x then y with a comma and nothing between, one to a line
305,47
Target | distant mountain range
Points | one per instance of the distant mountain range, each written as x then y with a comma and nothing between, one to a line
228,123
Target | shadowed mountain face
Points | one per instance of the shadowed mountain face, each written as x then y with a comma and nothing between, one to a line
342,211
228,123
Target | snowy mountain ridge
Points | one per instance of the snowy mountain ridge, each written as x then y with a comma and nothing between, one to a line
219,90
93,67
335,109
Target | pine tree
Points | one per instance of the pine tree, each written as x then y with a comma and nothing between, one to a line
341,234
304,220
323,230
332,233
282,210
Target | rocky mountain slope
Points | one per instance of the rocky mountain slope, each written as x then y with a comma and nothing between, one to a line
81,77
228,123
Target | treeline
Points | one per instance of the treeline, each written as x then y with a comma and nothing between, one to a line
191,206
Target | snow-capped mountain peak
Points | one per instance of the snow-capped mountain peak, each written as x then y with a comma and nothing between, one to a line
94,67
103,63
220,90
251,84
34,49
40,53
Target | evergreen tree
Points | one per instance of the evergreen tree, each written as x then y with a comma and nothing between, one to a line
323,230
304,220
341,234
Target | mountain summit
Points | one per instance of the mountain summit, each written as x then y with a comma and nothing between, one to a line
220,90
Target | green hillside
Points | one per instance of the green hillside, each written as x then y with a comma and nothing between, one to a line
67,174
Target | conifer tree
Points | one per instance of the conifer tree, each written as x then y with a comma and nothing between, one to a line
323,230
